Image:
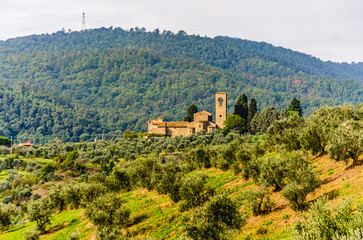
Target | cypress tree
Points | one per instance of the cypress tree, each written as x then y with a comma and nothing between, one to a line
252,109
295,106
241,107
190,113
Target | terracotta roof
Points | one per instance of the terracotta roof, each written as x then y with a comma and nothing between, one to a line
204,112
27,144
171,124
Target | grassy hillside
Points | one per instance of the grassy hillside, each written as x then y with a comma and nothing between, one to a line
155,215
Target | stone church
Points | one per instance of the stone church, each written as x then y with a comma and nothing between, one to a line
202,121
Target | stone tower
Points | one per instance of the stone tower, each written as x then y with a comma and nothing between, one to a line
221,108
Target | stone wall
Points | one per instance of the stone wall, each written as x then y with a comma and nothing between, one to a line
177,131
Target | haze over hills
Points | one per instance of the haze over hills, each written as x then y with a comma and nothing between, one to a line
109,80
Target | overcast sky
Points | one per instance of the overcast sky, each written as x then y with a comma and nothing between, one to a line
328,29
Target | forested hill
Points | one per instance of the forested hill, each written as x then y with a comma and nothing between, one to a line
301,61
108,80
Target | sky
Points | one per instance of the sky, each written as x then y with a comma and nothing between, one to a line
327,29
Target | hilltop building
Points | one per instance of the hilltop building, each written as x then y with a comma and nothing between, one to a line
26,144
202,121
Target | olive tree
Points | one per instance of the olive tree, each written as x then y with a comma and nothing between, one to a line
6,214
193,191
41,211
326,223
321,126
301,181
347,142
259,200
286,132
108,213
214,219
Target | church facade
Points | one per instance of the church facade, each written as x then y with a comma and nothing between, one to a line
203,120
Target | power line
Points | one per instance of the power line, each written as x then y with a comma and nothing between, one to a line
40,26
99,21
56,23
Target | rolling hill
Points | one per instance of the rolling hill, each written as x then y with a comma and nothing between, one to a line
107,80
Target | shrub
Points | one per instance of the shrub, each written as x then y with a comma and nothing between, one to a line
4,150
321,125
270,171
7,199
32,234
74,236
261,231
140,172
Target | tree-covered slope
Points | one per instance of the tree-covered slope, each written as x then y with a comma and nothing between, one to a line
109,80
300,61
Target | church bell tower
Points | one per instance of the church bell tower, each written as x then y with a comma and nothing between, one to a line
221,108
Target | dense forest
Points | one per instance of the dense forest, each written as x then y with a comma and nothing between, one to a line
103,81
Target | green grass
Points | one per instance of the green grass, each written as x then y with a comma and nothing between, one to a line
63,224
39,160
4,175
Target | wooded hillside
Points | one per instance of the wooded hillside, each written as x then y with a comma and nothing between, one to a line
108,80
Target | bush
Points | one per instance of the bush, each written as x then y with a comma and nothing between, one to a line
4,150
321,125
74,236
5,141
201,156
261,231
32,234
7,199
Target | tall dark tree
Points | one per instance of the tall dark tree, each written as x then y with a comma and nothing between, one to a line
241,108
252,109
190,113
295,106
